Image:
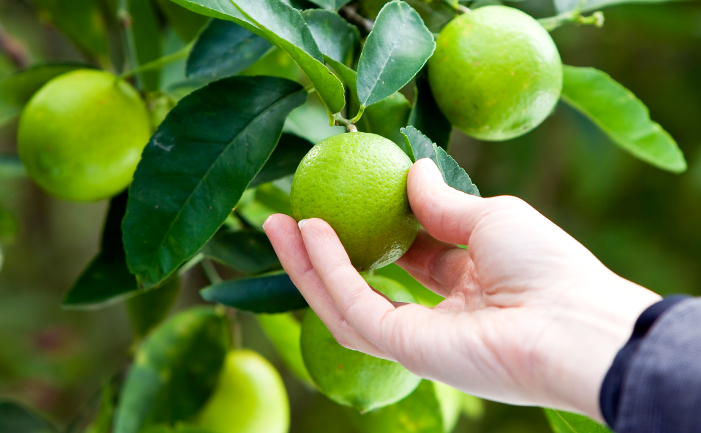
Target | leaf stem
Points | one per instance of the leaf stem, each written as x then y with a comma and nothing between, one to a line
210,271
160,62
359,115
575,16
342,121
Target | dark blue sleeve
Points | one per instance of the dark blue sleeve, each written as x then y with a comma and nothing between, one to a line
654,384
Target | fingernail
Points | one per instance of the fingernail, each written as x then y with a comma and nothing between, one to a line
301,223
266,222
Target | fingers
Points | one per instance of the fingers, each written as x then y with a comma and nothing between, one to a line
439,266
447,214
285,236
376,319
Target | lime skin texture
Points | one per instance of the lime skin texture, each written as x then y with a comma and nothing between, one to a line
354,378
496,73
356,182
250,397
81,136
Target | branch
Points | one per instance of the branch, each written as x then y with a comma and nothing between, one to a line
14,49
350,13
575,16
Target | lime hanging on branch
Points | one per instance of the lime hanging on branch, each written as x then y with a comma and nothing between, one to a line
496,73
353,378
80,137
356,182
249,398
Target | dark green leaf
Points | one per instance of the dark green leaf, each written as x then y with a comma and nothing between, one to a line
143,36
284,26
175,370
15,418
284,160
107,279
622,116
565,422
247,251
81,20
271,293
426,116
18,88
185,23
197,166
336,37
223,49
330,4
421,147
435,13
284,331
149,308
396,49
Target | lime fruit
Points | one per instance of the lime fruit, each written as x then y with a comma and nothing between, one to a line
249,398
356,182
354,378
81,135
496,73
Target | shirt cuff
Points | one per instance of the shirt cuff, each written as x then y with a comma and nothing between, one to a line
610,393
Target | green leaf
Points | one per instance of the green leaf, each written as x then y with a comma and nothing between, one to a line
174,371
143,34
284,26
622,116
105,412
274,198
247,251
435,13
565,422
386,117
15,418
107,279
17,89
454,175
149,308
284,160
81,20
396,50
9,226
330,4
187,24
270,293
196,167
336,37
562,6
284,331
223,49
426,116
423,295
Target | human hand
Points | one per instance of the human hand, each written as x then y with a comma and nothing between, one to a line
531,317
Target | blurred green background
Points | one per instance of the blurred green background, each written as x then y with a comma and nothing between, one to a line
643,223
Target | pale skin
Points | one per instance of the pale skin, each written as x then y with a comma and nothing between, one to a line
530,316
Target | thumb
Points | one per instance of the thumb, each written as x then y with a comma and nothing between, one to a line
447,214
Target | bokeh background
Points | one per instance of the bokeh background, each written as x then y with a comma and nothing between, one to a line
643,223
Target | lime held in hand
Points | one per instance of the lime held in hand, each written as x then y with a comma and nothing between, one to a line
81,135
356,182
496,73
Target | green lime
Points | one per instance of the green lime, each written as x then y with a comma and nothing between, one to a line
354,378
249,398
356,182
81,135
496,73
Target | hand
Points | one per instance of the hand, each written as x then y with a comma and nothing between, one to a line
530,316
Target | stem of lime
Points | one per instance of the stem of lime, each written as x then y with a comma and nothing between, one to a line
575,16
160,62
342,121
359,115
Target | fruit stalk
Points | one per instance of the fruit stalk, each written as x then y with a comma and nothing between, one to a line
575,16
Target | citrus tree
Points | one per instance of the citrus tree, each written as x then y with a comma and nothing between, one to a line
212,145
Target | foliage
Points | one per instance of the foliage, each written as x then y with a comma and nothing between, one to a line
220,162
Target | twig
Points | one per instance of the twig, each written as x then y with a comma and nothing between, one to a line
160,62
14,49
575,16
350,13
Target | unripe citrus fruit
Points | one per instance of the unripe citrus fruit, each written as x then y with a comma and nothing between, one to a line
496,73
353,378
81,135
249,398
356,182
